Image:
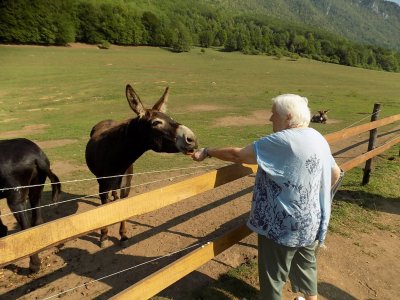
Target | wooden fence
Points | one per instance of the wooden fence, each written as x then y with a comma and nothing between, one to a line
15,247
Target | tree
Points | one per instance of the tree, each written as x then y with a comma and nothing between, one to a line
88,15
182,40
153,28
220,37
231,42
65,30
206,38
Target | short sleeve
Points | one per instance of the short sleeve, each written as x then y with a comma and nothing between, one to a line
271,152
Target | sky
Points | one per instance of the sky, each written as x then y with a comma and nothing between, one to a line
395,1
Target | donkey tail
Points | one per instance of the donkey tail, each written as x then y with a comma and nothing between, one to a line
55,186
43,164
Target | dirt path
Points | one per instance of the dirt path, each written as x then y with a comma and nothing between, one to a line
362,267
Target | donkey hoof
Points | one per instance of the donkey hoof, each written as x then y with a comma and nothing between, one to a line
3,231
34,268
124,241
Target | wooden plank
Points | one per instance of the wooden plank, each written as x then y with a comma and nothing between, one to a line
348,165
349,132
166,276
15,246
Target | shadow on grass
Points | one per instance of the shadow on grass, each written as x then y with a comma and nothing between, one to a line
227,287
230,287
369,201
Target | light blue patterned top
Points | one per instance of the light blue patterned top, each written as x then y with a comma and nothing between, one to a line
292,200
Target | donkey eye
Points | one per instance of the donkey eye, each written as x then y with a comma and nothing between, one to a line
156,123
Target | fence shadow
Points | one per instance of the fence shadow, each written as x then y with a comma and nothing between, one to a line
183,218
230,288
330,291
370,201
62,210
52,212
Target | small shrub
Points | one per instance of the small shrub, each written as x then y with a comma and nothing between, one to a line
104,44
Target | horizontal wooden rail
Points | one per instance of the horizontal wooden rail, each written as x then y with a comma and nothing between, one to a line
349,132
166,276
350,164
153,284
15,246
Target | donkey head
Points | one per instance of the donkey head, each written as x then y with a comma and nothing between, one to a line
323,112
162,132
321,117
324,115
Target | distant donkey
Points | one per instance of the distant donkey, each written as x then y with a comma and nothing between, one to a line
113,147
23,163
321,117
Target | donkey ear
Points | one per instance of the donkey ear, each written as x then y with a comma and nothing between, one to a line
134,101
161,104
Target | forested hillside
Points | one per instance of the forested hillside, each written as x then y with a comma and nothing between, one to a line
375,22
252,27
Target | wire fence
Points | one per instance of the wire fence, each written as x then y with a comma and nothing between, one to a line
114,190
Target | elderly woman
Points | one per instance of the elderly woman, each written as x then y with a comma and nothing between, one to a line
292,196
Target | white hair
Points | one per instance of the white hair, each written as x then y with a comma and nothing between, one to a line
295,106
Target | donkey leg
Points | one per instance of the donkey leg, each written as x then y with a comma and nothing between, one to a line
35,194
114,195
104,231
125,189
17,203
122,233
3,229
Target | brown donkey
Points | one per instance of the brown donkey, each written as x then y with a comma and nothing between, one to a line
321,117
114,146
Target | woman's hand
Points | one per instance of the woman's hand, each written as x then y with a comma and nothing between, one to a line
200,155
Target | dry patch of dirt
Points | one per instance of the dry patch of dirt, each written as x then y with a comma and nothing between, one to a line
55,143
26,130
205,107
82,46
40,109
62,168
333,121
8,120
259,117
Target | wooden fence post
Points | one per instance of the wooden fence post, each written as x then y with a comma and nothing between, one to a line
371,144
